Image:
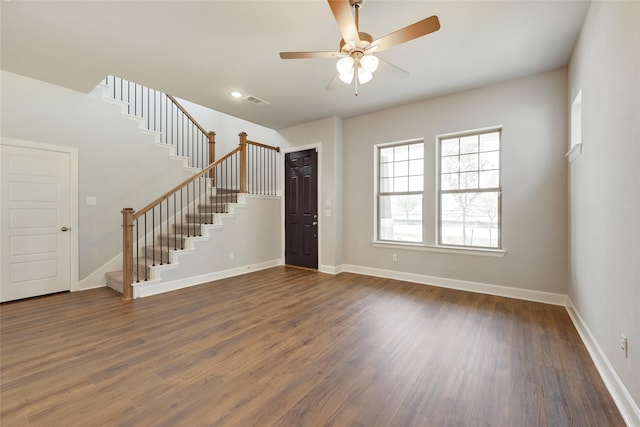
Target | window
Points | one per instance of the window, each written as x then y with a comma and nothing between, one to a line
576,127
576,120
469,190
400,192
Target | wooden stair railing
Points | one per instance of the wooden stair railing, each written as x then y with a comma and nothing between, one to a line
162,113
150,233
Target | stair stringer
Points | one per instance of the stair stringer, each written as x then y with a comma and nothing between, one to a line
101,92
248,239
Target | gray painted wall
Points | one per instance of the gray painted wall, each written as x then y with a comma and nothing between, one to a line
605,184
116,163
532,112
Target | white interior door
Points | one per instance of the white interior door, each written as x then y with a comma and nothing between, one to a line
35,222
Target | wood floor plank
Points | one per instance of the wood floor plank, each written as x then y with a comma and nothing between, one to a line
288,347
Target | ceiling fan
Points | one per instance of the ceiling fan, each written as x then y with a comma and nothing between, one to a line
357,62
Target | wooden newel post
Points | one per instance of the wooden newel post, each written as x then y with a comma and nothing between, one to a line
127,253
212,153
212,146
243,162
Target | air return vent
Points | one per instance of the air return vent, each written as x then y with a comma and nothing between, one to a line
257,100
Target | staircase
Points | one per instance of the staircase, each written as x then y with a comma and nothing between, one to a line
196,226
157,236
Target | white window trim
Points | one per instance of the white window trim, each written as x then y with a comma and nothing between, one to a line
376,188
496,253
462,248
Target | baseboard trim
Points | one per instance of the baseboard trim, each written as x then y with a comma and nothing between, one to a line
330,269
142,289
621,396
463,285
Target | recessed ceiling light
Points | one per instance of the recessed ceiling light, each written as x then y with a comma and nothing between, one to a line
235,94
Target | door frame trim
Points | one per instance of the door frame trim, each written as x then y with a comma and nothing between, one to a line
318,147
73,197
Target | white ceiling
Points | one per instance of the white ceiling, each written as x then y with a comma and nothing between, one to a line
202,50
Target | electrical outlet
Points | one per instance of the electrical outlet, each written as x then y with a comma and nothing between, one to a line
394,257
624,346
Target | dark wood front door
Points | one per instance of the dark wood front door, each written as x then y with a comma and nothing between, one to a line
301,209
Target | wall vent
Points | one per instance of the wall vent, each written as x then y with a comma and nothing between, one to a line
257,100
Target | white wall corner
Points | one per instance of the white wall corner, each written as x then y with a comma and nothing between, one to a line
331,269
621,396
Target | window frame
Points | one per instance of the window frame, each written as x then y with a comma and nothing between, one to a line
440,192
379,193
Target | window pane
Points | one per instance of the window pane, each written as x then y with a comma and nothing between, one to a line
469,144
490,179
401,218
490,160
401,169
450,181
386,185
450,164
416,167
401,184
490,141
386,169
386,154
469,162
469,219
416,151
416,183
468,180
449,147
401,152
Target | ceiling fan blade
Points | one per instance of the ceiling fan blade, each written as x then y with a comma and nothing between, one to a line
389,69
305,55
342,12
410,32
335,82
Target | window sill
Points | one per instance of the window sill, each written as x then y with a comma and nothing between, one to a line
496,253
574,152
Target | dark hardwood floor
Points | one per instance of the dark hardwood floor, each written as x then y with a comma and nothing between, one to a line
292,347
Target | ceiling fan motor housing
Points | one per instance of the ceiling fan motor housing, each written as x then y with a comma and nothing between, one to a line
348,48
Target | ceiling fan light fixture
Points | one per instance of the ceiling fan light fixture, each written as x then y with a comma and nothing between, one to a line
364,76
347,76
369,63
344,65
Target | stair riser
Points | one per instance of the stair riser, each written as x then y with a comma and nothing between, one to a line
157,255
212,209
203,218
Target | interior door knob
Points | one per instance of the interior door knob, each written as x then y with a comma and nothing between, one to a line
314,223
65,229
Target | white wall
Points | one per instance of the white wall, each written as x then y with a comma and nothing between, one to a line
605,185
533,116
248,239
227,128
117,164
